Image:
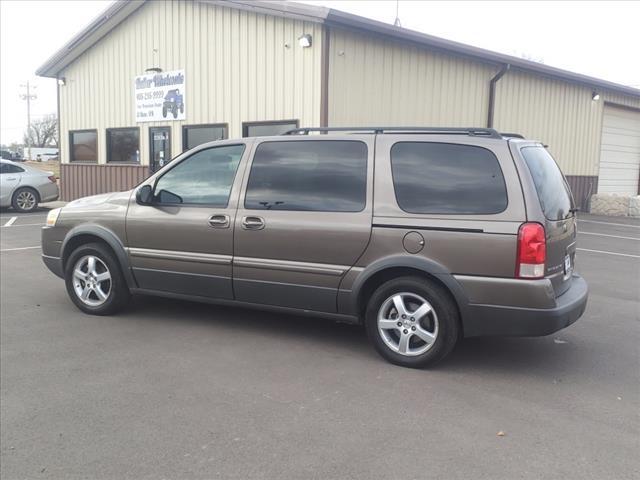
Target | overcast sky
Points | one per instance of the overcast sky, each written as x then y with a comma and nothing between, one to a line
600,39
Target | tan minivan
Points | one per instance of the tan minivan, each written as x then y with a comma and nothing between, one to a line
424,235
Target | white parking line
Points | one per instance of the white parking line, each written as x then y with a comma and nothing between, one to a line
20,248
24,225
580,220
608,253
588,233
10,221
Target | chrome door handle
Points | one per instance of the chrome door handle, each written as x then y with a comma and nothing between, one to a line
219,221
252,223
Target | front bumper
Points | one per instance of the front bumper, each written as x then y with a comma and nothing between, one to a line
484,320
54,264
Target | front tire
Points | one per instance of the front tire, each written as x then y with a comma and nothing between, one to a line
94,280
25,200
412,322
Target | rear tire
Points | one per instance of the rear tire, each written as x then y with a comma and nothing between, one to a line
94,280
412,322
25,200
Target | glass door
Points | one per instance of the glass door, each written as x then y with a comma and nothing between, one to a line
160,139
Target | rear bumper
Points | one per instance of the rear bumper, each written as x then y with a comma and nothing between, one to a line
48,192
483,320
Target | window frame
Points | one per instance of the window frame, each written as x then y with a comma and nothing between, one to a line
185,128
177,163
446,214
117,162
247,125
255,148
86,130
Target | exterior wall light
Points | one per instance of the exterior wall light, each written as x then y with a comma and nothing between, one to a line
62,81
154,70
304,40
595,96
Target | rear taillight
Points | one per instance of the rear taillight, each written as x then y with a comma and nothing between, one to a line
52,178
532,251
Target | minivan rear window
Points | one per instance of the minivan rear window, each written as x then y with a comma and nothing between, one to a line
553,191
446,178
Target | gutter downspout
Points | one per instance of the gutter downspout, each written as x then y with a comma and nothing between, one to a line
492,92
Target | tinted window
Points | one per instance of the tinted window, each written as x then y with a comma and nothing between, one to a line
206,178
83,146
197,135
553,192
441,178
313,175
8,168
123,145
266,129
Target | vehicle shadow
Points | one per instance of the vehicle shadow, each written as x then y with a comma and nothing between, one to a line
482,354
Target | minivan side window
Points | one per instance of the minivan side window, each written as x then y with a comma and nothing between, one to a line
205,178
446,178
553,192
310,175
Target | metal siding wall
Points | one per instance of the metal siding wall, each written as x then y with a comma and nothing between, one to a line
237,69
559,114
80,180
383,82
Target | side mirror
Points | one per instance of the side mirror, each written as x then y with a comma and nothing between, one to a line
144,195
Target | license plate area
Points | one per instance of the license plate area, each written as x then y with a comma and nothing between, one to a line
568,266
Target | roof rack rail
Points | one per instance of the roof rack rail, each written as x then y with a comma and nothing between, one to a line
512,135
471,131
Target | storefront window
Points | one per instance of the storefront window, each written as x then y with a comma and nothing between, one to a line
83,146
194,135
123,145
269,128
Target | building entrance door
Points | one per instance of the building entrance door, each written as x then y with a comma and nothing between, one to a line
160,140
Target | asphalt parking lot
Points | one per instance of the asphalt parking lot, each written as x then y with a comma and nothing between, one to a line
171,389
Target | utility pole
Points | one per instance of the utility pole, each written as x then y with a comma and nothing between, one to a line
28,96
397,23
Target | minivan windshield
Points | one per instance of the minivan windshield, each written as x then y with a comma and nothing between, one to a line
553,191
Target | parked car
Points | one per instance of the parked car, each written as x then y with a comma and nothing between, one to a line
173,102
424,235
8,155
23,187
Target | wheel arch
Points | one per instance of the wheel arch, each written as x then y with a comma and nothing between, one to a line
399,266
84,234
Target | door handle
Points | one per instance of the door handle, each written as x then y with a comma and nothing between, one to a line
12,178
219,221
252,223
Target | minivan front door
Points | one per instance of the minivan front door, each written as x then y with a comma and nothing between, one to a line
304,219
182,240
160,147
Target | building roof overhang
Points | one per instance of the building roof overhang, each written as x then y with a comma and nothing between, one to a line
121,9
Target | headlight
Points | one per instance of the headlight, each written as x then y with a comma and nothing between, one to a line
52,217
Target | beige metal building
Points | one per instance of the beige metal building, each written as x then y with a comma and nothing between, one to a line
242,68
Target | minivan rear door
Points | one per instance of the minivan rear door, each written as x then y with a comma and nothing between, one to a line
558,214
303,220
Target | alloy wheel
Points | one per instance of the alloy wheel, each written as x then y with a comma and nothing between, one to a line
407,324
26,200
91,280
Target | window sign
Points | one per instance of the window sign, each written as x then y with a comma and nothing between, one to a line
160,96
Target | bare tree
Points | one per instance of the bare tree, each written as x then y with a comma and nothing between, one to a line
43,133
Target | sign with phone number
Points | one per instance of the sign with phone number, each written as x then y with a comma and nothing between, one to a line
160,96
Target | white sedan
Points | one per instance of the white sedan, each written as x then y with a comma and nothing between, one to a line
23,187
